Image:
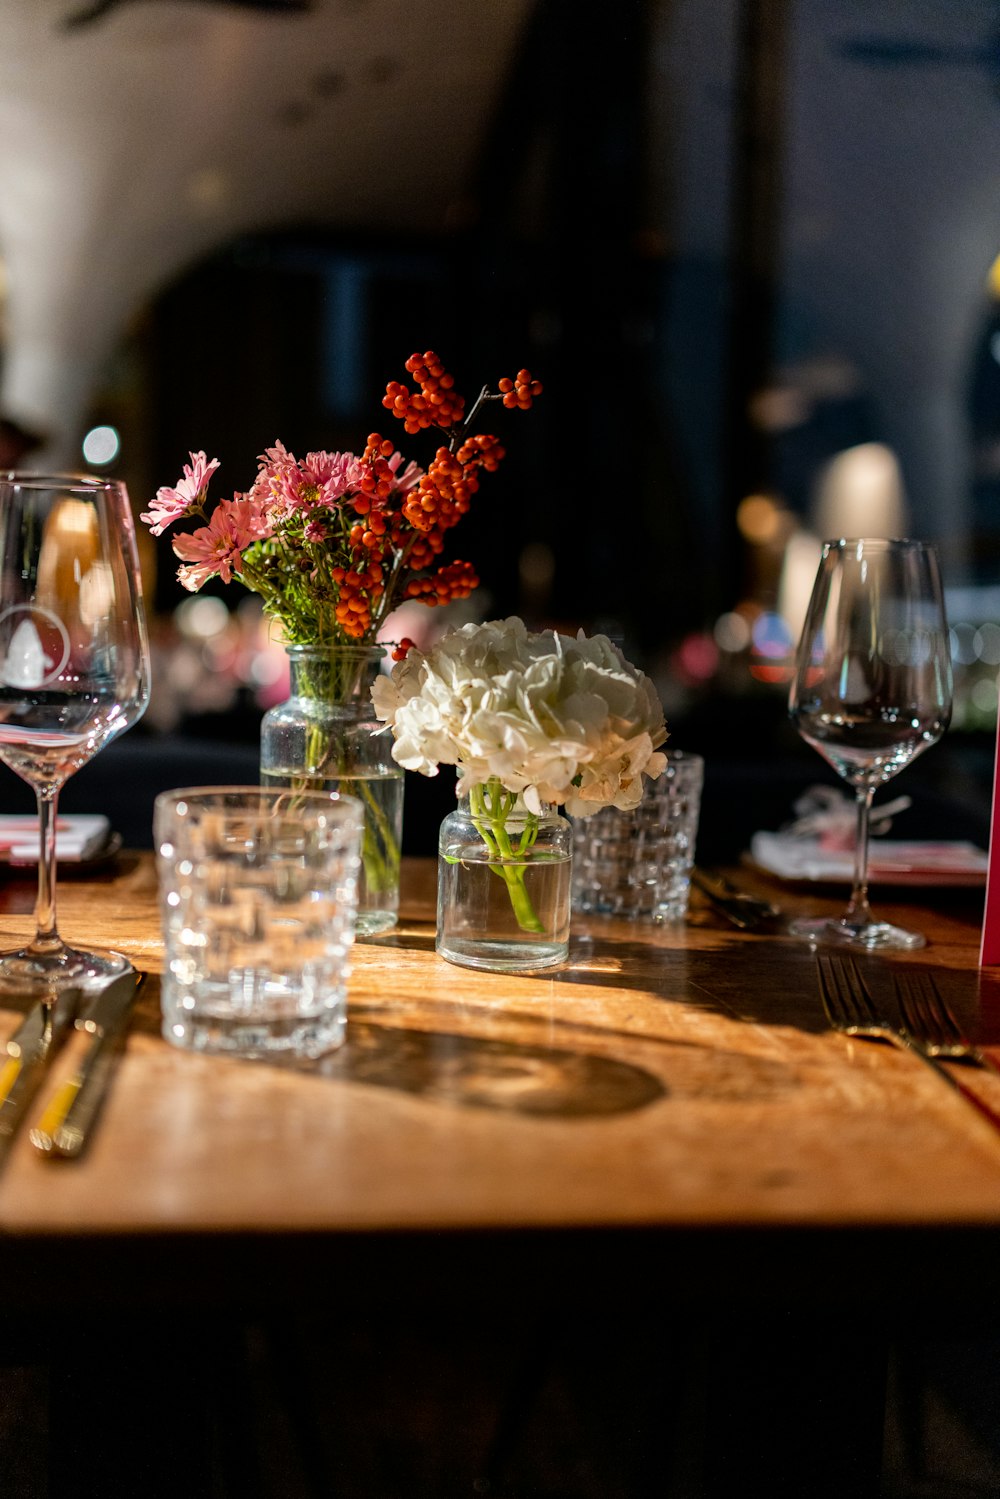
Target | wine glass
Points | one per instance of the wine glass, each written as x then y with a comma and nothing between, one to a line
74,670
872,690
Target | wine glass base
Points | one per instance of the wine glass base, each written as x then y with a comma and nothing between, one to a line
60,969
869,936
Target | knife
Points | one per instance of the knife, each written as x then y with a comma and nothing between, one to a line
743,910
63,1128
27,1054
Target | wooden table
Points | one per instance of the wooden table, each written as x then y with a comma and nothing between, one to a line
664,1132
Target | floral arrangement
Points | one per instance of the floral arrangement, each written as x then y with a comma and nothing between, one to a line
528,719
333,542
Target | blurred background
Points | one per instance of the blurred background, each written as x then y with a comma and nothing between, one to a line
751,249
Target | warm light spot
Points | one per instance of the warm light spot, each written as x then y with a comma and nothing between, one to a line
861,494
993,278
201,618
758,519
771,674
779,408
97,593
74,517
798,573
537,565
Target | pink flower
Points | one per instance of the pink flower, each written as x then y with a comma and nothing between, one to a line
287,486
411,475
188,495
217,549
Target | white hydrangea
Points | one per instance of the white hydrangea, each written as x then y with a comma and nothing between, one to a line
558,720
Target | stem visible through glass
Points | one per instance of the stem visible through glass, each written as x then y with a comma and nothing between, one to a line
46,937
859,913
490,807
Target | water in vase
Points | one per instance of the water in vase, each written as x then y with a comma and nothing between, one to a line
381,795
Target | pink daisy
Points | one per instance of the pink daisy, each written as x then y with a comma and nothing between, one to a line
216,549
186,496
411,475
320,479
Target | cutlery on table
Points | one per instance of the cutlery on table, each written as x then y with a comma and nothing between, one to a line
743,910
850,1008
64,1126
27,1054
927,1014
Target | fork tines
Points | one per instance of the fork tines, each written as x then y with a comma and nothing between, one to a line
923,1010
846,997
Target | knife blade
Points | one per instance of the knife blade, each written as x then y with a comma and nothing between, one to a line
744,911
27,1054
63,1128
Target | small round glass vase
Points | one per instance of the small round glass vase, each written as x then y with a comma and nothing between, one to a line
503,884
326,738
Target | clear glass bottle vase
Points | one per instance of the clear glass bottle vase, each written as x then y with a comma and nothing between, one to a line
326,738
503,883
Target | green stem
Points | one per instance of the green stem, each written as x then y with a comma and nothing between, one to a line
490,807
337,680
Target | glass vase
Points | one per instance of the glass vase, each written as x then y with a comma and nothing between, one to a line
326,738
503,883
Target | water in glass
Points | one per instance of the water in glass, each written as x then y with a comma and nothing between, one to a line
74,669
872,690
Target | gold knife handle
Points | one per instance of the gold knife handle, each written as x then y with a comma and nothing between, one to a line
19,1080
63,1128
27,1059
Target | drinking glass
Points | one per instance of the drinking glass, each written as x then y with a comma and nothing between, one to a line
872,690
74,670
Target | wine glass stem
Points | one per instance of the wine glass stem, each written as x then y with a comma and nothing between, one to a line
46,937
859,912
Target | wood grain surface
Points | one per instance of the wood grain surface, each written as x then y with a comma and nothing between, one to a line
643,1215
668,1078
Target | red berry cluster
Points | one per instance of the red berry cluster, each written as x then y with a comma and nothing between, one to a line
443,494
391,524
482,450
520,391
360,588
435,404
455,580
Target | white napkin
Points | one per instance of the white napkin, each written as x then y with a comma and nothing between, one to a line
78,836
792,857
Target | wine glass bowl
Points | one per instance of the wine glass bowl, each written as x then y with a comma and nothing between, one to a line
74,668
872,690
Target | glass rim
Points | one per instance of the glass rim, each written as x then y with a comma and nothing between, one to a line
262,795
350,647
84,483
879,541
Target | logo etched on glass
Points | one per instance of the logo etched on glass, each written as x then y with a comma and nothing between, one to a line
34,647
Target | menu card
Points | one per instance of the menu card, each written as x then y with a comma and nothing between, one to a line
78,836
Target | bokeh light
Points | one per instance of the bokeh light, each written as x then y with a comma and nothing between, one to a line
101,446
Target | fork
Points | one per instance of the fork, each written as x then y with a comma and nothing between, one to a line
927,1014
851,1009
